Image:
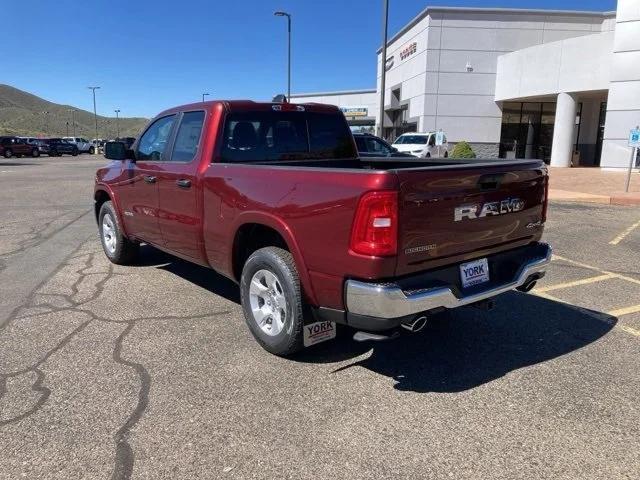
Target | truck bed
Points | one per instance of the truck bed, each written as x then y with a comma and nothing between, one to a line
394,164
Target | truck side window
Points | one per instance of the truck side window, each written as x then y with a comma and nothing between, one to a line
154,141
188,137
432,140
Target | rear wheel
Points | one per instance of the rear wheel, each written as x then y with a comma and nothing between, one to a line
35,152
8,153
92,150
118,248
272,300
75,152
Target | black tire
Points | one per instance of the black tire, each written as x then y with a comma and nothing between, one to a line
125,251
74,152
8,153
280,263
92,150
35,153
18,155
446,154
53,153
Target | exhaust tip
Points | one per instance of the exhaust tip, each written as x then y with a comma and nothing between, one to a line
415,325
528,286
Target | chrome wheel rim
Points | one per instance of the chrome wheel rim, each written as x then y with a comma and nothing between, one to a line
268,303
109,233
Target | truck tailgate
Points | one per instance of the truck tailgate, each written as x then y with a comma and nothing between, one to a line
450,213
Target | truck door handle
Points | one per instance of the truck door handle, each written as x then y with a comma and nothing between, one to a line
150,179
183,183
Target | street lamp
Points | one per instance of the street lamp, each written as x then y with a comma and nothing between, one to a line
288,15
95,116
118,121
383,65
73,120
46,121
204,95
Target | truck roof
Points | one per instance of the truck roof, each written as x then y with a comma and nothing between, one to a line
250,105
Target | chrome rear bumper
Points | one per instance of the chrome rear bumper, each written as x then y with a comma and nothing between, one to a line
388,300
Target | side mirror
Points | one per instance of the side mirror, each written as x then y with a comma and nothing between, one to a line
117,151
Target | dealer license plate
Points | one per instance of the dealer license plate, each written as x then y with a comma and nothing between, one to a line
318,332
473,273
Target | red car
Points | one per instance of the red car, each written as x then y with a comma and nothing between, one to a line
274,196
17,147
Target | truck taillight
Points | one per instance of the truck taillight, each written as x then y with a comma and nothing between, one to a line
375,227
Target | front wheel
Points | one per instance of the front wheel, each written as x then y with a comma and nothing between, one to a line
74,153
35,153
118,248
92,150
272,300
8,153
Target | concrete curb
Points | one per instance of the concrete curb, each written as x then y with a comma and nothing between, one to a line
632,198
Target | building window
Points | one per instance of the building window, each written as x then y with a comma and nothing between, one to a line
527,130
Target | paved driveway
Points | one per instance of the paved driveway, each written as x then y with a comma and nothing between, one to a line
149,371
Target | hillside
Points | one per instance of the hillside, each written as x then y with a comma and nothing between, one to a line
21,113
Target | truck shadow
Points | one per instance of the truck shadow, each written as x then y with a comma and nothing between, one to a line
200,276
467,350
473,347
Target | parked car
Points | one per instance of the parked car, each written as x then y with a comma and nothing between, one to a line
58,146
371,146
97,145
18,147
83,145
42,146
422,145
275,197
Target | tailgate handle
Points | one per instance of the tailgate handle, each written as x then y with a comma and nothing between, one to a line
490,182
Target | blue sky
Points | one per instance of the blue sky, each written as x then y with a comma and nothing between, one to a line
148,55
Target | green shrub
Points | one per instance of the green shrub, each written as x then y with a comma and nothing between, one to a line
462,150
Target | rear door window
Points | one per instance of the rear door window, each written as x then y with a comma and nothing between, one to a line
188,137
361,144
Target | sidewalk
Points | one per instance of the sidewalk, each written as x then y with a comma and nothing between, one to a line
593,185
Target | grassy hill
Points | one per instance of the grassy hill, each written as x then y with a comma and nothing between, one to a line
21,113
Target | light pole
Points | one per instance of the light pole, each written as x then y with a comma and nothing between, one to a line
73,120
117,121
95,116
383,65
204,95
46,121
288,15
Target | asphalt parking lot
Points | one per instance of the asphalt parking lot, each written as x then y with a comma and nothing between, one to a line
149,371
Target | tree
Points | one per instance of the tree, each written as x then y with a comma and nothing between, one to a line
462,150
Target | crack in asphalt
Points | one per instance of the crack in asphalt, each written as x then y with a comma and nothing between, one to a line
124,454
124,460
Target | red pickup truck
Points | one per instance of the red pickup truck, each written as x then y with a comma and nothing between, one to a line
274,197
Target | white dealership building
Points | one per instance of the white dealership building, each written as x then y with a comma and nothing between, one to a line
563,86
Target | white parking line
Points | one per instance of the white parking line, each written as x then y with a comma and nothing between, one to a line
626,232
